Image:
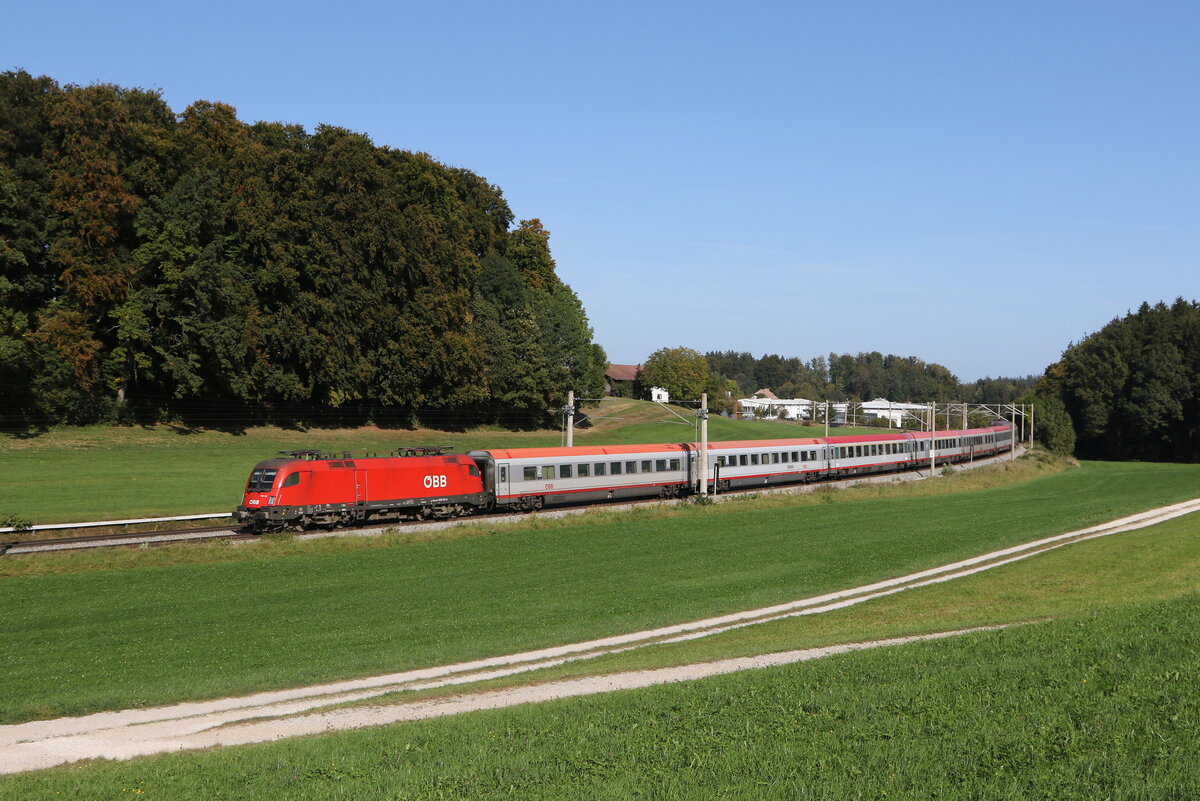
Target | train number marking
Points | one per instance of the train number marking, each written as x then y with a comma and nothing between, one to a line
434,481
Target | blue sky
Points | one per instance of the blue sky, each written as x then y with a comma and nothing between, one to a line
977,184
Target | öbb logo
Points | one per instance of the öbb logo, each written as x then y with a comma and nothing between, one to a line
432,482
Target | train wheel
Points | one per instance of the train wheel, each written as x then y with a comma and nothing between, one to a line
537,502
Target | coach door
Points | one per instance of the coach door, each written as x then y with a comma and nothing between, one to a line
360,487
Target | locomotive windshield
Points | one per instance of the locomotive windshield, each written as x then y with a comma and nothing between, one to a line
261,480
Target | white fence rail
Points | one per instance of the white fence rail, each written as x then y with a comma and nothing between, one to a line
98,523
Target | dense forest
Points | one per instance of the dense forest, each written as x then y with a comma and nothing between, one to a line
862,376
1132,389
155,264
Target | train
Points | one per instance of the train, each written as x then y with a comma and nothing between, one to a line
299,490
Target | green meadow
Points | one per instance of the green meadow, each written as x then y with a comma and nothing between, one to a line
143,627
1094,698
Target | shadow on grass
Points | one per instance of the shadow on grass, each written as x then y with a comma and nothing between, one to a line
24,431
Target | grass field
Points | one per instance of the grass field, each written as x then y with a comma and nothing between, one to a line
286,613
107,473
1099,704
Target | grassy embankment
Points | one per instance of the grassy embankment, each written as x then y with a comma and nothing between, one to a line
110,473
1099,704
148,631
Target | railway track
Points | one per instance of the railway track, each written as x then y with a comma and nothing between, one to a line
123,539
226,532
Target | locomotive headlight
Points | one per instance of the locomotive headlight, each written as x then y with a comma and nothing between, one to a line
271,501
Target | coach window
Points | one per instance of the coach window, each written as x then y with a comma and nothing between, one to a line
547,471
674,464
585,470
775,458
631,467
600,471
660,465
646,466
530,473
754,458
615,468
564,471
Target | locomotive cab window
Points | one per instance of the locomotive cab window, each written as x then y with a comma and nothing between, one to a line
291,480
261,480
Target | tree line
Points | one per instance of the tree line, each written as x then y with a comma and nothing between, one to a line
1132,389
861,376
152,261
728,375
1129,391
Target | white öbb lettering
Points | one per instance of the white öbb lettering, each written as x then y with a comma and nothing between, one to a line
432,482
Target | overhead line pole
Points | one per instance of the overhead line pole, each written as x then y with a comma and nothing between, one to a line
703,415
932,436
570,421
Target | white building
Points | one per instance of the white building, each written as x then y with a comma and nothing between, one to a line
776,408
880,411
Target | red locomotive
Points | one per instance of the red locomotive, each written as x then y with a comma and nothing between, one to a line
304,488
